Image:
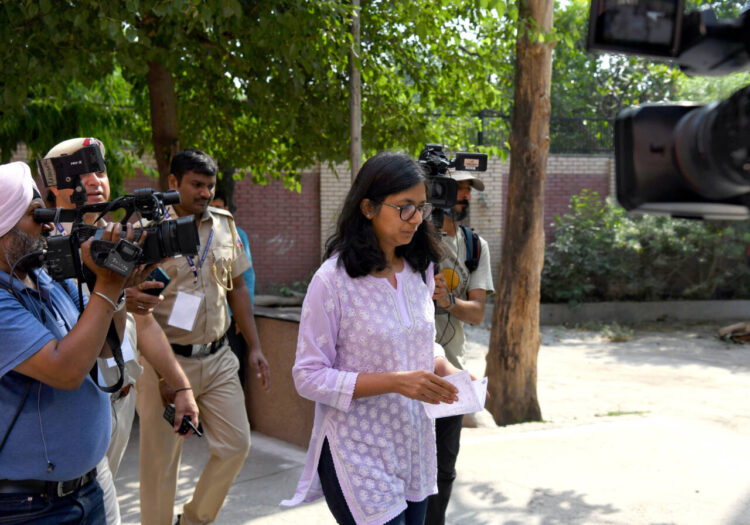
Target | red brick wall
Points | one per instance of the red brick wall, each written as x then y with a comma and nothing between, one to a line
558,189
283,228
140,181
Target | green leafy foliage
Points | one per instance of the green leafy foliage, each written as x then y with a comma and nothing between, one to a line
263,86
596,86
601,253
103,109
710,89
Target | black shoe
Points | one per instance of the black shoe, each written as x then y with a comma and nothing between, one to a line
179,518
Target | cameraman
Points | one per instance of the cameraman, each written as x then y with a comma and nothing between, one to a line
54,421
143,332
459,301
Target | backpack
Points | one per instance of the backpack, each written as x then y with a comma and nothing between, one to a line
473,248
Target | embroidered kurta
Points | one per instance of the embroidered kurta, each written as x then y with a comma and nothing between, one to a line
383,446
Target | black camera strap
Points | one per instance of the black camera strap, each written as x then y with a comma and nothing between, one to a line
18,412
114,344
473,248
113,340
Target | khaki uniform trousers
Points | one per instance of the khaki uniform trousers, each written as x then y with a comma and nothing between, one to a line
221,402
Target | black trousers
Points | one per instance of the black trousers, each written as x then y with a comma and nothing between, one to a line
239,348
448,438
413,515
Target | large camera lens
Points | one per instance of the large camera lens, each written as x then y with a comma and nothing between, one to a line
180,236
169,238
712,148
685,160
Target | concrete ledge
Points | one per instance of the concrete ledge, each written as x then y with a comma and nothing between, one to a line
280,413
632,312
635,312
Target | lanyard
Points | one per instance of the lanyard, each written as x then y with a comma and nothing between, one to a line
59,226
203,258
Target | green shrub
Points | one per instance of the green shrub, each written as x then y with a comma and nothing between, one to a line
601,253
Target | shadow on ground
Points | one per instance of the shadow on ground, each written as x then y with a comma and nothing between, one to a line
675,346
483,504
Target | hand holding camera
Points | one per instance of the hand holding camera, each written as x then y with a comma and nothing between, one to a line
106,277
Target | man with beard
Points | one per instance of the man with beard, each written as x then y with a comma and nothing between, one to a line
461,289
54,421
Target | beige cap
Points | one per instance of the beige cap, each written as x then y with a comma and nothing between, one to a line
476,182
68,147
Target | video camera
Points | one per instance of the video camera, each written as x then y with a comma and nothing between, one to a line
444,189
164,238
683,160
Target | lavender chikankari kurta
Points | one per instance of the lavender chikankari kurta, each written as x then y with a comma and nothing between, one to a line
383,446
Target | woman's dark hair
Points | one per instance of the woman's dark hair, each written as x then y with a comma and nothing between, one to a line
355,241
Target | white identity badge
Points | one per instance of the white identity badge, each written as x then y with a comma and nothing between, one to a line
185,310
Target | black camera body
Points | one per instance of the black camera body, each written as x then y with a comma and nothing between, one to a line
166,238
684,160
699,42
444,189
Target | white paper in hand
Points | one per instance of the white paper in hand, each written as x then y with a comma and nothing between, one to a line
471,396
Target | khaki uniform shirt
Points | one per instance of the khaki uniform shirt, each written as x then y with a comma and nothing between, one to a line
224,263
450,330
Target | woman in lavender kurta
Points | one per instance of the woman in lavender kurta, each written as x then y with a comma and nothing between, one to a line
366,353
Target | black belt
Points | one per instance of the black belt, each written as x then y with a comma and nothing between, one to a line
199,350
51,489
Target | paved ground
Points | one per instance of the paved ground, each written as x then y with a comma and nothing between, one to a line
654,430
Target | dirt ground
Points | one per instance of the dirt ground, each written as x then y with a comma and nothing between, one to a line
679,369
650,430
653,430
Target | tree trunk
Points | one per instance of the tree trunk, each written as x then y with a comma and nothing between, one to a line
515,339
164,128
355,95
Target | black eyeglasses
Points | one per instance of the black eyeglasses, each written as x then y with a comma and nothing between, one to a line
407,211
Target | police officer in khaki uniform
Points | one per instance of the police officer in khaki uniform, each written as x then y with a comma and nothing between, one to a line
194,317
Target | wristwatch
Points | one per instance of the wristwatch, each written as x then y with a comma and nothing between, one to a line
452,299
